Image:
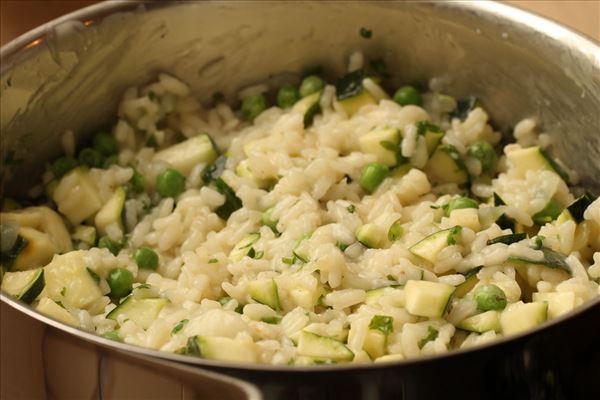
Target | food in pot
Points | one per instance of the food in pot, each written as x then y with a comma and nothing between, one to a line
320,222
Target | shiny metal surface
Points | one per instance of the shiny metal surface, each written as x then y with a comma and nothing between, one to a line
70,74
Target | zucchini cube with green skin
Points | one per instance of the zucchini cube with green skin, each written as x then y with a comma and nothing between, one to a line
446,166
77,196
68,281
471,280
265,291
427,299
576,209
24,285
142,311
373,143
50,308
533,159
84,234
243,247
322,347
372,236
432,245
375,343
37,252
221,348
558,303
487,321
186,155
351,105
111,212
519,317
308,107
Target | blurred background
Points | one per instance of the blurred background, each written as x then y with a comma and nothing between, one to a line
19,16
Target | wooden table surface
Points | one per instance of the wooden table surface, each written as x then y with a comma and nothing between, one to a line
18,16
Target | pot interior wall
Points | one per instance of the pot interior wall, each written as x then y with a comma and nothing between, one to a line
73,77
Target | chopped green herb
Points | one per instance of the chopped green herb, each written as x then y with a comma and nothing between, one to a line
214,170
179,326
382,323
213,261
432,334
351,208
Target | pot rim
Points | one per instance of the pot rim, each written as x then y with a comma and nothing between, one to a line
27,44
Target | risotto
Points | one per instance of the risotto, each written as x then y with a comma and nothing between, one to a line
319,223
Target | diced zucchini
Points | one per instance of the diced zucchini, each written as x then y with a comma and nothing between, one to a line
77,196
232,202
308,107
268,220
54,226
301,251
533,159
50,308
352,104
466,217
37,252
44,220
265,292
432,133
242,249
24,285
371,235
549,213
68,281
243,170
111,212
221,348
141,311
396,297
376,142
432,245
321,347
427,299
84,234
487,321
508,239
559,303
470,281
375,343
447,166
576,209
503,221
519,317
552,259
186,155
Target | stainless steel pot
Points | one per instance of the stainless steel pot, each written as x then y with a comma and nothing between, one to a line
70,73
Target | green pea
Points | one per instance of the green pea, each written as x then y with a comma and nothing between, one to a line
287,96
485,153
120,281
252,106
458,203
311,84
105,143
138,182
146,258
490,297
91,157
62,165
170,183
408,95
107,243
372,175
